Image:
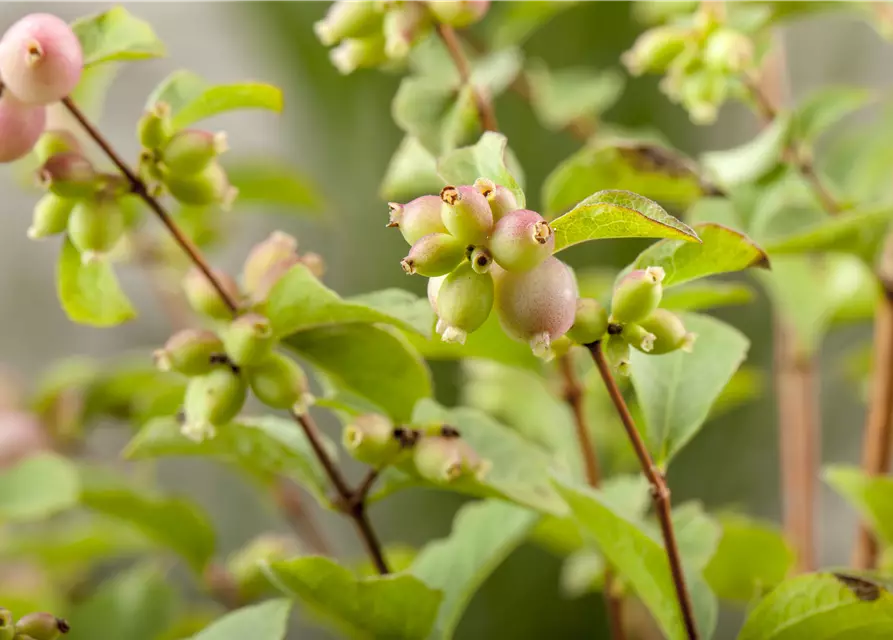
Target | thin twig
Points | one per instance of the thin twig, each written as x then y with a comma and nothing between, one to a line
454,47
366,485
292,505
357,513
660,492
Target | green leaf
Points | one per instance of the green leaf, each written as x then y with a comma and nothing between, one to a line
412,172
872,496
696,296
561,96
90,293
171,522
751,559
752,160
746,385
263,447
859,233
265,621
401,304
617,214
497,70
489,158
822,606
116,35
825,108
519,20
436,113
484,534
373,362
676,390
721,250
653,171
393,606
274,184
697,534
138,605
37,487
642,562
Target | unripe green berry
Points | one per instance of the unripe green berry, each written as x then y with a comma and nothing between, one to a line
204,298
249,340
212,400
155,127
459,13
69,175
358,53
669,332
347,19
279,382
277,247
444,459
434,255
466,214
636,336
189,352
464,301
7,625
191,150
521,240
41,626
434,285
502,199
617,354
590,322
371,439
55,141
728,50
51,215
481,260
272,276
403,26
637,294
537,306
246,566
417,218
208,186
95,226
655,49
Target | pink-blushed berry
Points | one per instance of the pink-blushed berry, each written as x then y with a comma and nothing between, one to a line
537,306
444,459
466,214
190,352
434,255
21,436
55,141
637,294
51,214
502,199
464,301
212,400
459,13
280,382
276,248
248,340
370,438
21,126
203,296
590,322
521,240
95,226
155,127
347,19
191,150
40,59
70,175
668,331
417,218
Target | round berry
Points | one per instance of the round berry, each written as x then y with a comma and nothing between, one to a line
521,240
20,127
212,400
190,150
466,214
637,294
617,354
590,322
464,302
459,13
208,186
639,338
249,339
434,255
69,175
155,126
204,298
190,352
668,331
370,439
277,247
95,226
417,218
502,199
279,382
54,141
51,214
443,459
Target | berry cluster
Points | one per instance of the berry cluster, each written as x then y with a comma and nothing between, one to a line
223,364
34,626
373,33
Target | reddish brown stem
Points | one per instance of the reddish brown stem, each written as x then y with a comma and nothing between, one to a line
660,492
454,48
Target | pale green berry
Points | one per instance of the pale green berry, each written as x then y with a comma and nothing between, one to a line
434,285
434,255
51,214
279,382
208,186
155,127
728,50
403,26
190,150
417,218
466,214
249,340
204,298
347,19
502,199
41,626
7,625
590,322
459,13
358,53
639,338
521,240
69,175
617,353
481,260
190,352
445,459
212,400
95,226
669,332
655,50
246,566
637,294
55,141
278,246
371,439
464,301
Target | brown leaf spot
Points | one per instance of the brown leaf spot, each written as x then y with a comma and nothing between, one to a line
864,589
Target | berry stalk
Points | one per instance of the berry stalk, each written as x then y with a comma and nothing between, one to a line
454,47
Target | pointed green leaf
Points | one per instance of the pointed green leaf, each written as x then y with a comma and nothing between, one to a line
696,296
752,160
37,487
871,496
274,184
822,606
483,535
747,384
90,293
489,158
402,305
177,90
496,70
436,113
519,20
859,233
560,96
697,534
676,390
265,621
412,172
722,250
116,35
617,214
399,607
825,108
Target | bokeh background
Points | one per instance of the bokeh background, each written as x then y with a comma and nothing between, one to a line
339,130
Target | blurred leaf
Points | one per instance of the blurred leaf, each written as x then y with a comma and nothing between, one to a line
697,534
560,96
412,172
752,558
651,170
721,211
483,535
871,496
92,89
519,20
373,362
137,604
264,447
177,90
90,293
37,487
190,623
598,283
436,113
275,184
642,562
860,157
497,70
746,385
265,621
824,108
721,250
617,214
299,301
753,159
393,606
116,35
582,572
676,390
859,233
709,294
822,606
172,522
856,289
400,304
489,158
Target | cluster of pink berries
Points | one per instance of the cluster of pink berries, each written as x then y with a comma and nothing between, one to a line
370,33
223,364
